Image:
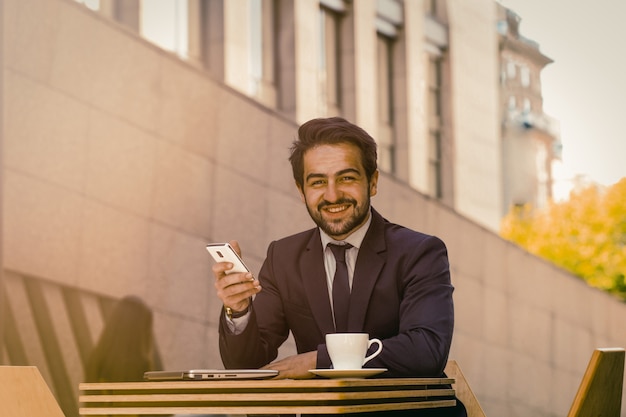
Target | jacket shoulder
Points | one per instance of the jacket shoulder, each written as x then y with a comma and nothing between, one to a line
398,235
296,241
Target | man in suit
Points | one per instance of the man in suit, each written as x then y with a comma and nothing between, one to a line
400,289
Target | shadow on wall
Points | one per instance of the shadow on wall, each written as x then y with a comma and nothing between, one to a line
126,348
51,326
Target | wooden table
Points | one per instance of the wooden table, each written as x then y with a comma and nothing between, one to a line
312,396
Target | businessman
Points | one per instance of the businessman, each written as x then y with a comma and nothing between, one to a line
398,280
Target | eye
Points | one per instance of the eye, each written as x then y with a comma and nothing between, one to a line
316,183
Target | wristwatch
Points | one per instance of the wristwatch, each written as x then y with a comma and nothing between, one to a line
236,314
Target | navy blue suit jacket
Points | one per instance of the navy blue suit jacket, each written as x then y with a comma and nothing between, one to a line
401,294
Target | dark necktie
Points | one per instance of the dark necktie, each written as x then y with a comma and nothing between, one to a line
341,287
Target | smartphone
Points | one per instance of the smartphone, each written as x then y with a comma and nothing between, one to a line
223,252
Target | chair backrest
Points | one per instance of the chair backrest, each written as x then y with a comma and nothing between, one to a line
463,391
24,393
600,392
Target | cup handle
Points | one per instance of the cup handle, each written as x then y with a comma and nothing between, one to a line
373,355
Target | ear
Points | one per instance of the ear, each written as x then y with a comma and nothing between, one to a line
301,191
373,184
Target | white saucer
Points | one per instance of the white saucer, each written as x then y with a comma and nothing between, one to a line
348,373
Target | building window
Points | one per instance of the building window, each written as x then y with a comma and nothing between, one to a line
524,74
262,51
434,164
165,23
511,70
386,136
435,126
256,45
329,63
90,4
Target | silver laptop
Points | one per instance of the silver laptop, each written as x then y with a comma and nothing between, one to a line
209,374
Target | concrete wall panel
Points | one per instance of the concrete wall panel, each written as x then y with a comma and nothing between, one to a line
42,228
46,132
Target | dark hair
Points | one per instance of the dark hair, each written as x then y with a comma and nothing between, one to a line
124,351
330,131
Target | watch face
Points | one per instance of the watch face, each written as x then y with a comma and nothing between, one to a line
234,315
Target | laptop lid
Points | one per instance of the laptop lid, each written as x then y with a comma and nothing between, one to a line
209,374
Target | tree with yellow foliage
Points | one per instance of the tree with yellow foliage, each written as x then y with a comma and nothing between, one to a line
585,235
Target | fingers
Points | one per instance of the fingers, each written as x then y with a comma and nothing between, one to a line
235,246
294,367
283,371
220,269
237,286
235,290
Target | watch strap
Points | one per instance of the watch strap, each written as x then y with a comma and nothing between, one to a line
236,314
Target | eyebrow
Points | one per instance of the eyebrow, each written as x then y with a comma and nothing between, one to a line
336,174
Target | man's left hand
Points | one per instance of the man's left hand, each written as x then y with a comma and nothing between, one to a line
295,367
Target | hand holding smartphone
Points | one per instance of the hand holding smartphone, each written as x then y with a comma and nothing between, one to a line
223,252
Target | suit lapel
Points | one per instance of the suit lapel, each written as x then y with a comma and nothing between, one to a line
314,281
369,264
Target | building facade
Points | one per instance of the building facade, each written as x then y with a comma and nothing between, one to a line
399,69
530,138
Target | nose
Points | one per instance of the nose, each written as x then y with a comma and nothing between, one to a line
332,192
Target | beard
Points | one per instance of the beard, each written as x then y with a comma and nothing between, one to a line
343,226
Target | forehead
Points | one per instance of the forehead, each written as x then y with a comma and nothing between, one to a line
328,159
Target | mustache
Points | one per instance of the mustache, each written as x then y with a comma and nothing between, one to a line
344,200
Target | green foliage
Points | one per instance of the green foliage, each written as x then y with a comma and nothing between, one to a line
585,235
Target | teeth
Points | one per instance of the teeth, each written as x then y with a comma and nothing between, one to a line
337,209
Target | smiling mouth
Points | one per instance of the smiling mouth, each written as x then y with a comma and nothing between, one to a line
337,209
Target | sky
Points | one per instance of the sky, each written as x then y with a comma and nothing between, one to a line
585,87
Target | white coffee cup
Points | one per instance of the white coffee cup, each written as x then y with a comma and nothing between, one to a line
348,350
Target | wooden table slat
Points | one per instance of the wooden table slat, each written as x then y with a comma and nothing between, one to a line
268,383
331,409
295,396
317,396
